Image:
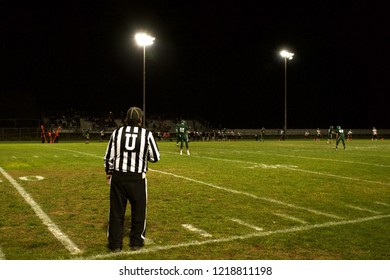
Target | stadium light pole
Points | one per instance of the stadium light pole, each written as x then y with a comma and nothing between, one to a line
144,40
286,55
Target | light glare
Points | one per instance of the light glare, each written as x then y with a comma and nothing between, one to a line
144,39
286,54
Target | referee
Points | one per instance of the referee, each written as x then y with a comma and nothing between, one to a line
126,162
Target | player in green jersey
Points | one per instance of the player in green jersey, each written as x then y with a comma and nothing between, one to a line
340,136
183,133
177,133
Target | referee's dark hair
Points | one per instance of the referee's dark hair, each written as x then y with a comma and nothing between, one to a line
134,116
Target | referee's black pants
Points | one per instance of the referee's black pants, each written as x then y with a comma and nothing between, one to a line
125,187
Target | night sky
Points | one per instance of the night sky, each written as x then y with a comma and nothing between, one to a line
215,61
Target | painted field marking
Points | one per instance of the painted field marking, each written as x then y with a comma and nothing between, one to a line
239,237
334,160
313,158
256,163
253,164
78,152
338,176
240,222
270,166
250,195
196,230
229,239
31,178
226,189
53,228
382,203
293,168
362,209
288,217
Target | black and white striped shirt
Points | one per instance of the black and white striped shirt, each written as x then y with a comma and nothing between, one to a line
129,150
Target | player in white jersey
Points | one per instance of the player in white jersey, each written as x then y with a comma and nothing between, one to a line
374,134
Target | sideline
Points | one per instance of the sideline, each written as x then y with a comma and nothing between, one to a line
53,228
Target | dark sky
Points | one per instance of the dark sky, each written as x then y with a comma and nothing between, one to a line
215,60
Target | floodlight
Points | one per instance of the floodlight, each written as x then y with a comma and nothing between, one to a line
287,54
144,39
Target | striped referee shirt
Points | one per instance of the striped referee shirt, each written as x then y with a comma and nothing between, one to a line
129,150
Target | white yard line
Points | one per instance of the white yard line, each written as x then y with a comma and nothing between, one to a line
313,158
77,152
240,237
382,203
253,196
279,166
258,233
362,209
230,190
240,222
337,176
274,201
53,228
288,217
334,160
201,232
292,168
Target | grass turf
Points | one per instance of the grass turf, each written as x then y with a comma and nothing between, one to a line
255,200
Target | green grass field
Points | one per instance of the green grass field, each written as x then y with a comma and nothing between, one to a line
243,200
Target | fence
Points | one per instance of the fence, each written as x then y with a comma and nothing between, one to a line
33,134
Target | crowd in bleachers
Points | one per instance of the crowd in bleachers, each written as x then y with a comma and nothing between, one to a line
74,120
67,119
163,128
